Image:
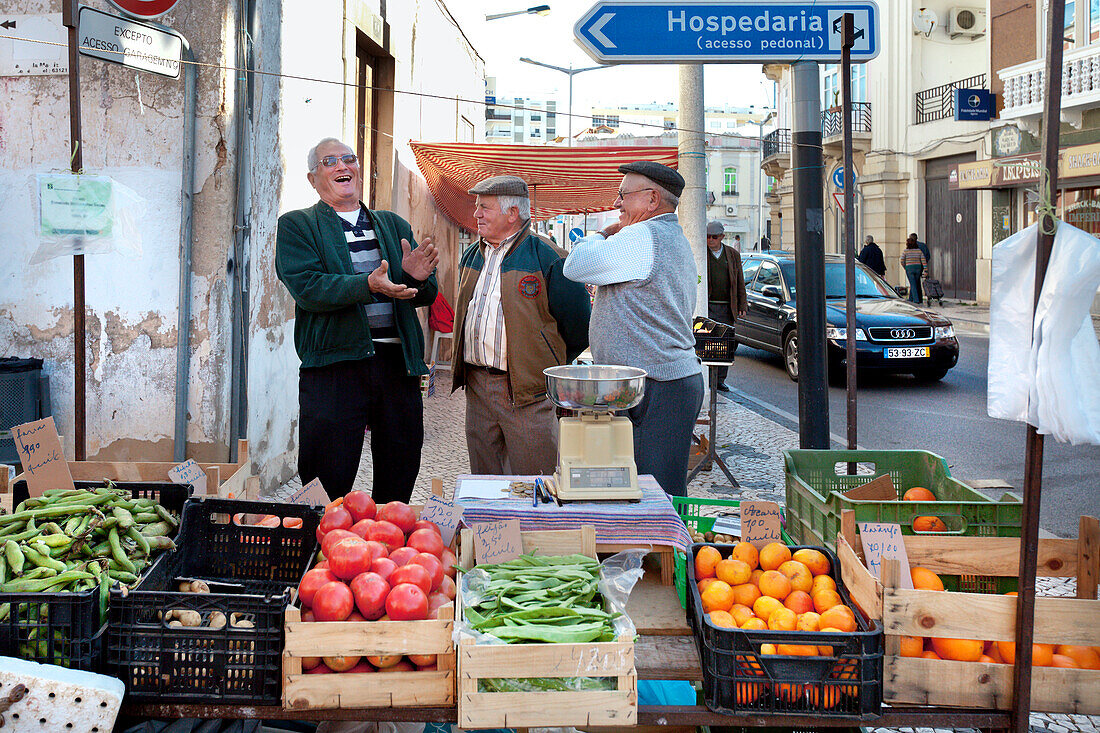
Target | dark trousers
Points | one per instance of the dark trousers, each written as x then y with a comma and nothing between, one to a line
722,313
913,272
663,422
338,402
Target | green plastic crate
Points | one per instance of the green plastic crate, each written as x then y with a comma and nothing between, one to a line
690,511
817,480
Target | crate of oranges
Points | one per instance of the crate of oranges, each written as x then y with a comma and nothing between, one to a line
777,633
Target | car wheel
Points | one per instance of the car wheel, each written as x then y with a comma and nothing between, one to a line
790,355
930,375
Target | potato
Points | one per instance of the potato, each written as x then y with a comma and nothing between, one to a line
216,620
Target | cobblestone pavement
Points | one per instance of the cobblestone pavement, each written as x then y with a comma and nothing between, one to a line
750,443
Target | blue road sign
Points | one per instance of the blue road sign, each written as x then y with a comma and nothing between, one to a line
742,31
575,234
974,104
838,178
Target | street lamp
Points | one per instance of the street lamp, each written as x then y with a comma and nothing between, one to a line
571,72
536,10
760,193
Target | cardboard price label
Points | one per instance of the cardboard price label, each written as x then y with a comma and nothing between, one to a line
312,494
760,523
42,457
445,514
189,472
881,539
497,541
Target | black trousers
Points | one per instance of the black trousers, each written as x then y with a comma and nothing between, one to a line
338,402
721,312
663,422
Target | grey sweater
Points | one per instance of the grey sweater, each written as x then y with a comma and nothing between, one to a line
647,323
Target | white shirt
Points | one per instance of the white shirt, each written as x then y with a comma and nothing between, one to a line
624,256
484,333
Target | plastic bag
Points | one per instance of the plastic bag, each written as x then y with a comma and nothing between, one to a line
86,214
1010,305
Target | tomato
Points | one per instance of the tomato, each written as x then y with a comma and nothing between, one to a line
383,566
370,591
332,538
406,602
383,661
427,668
309,663
422,660
333,602
362,527
322,564
335,518
436,601
363,666
311,581
418,575
319,669
360,505
341,664
449,563
307,616
448,588
398,513
427,524
402,555
354,615
387,533
425,540
401,666
434,567
350,556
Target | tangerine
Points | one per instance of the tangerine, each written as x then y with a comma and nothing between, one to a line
911,646
741,613
918,493
783,619
754,623
765,606
929,655
723,619
733,572
745,594
815,560
790,693
822,582
773,555
749,692
747,553
706,559
717,597
960,650
823,696
775,584
1061,660
825,599
797,650
755,578
925,579
799,601
702,584
1085,656
1041,654
838,617
809,621
986,659
800,576
929,524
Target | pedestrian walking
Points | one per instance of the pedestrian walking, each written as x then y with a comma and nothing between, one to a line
912,259
871,256
725,285
924,251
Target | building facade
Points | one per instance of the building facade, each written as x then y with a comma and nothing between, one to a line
518,120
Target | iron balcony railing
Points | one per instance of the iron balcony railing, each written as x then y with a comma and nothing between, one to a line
832,120
777,142
938,103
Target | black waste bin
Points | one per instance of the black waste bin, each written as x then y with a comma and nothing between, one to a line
24,396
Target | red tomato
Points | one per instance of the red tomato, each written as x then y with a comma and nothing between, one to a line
363,666
354,615
400,514
425,540
406,602
332,538
427,668
341,664
449,563
333,602
350,556
383,566
436,601
335,518
401,666
418,575
319,669
311,581
309,663
362,527
427,524
370,591
360,505
387,660
402,555
432,564
422,660
388,534
322,564
307,615
448,588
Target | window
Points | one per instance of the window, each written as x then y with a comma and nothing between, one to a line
729,185
830,84
767,275
1094,21
1070,36
749,268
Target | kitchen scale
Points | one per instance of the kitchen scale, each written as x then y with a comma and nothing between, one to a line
596,448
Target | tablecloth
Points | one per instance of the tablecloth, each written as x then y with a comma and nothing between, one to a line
653,520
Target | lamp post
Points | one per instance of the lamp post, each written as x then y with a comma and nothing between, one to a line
760,185
535,10
570,72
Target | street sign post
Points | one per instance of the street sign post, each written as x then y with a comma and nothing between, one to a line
576,234
130,43
741,31
838,178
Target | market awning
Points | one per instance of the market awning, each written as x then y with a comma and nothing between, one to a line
562,180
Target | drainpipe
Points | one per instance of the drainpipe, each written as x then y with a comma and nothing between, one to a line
187,204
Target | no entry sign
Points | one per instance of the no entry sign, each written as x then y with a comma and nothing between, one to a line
146,9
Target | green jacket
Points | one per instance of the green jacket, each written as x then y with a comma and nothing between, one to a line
312,260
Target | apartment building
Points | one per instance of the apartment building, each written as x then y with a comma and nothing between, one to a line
519,120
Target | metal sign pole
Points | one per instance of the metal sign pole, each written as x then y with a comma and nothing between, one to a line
849,227
69,18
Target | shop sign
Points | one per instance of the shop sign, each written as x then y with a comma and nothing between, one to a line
1076,162
974,104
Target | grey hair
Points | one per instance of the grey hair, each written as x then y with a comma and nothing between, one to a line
521,203
869,239
311,157
667,197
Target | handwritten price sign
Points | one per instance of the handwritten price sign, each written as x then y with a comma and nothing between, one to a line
42,457
189,472
312,494
497,541
881,540
445,514
760,522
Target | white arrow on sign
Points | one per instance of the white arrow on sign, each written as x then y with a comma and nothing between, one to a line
596,32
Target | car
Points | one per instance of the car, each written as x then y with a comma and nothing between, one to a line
892,334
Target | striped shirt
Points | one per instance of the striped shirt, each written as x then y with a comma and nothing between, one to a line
366,256
624,257
484,335
912,257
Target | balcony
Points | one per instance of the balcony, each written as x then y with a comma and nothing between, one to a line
832,128
775,157
938,103
492,116
1024,85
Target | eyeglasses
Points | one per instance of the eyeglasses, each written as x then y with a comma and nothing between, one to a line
716,236
330,160
624,194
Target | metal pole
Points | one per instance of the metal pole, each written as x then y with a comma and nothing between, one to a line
1033,465
570,113
809,245
849,227
187,201
70,12
693,202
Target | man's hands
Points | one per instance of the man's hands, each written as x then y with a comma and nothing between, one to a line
379,282
419,263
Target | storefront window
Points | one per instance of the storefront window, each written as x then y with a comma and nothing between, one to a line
1079,207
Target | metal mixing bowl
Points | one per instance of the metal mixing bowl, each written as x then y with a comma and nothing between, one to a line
594,387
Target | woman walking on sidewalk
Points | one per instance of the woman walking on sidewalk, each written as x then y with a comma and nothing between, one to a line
912,259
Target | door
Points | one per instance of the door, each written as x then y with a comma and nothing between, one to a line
763,311
951,229
743,328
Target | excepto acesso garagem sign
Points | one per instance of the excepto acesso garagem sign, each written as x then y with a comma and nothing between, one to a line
144,9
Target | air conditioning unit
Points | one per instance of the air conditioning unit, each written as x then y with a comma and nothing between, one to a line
966,21
731,211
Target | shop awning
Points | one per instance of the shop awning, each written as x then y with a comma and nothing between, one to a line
562,180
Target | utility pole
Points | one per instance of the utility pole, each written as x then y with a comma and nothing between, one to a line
693,202
70,13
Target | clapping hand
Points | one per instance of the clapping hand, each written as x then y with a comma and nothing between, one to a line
379,282
419,263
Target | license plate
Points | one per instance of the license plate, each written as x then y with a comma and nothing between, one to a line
907,352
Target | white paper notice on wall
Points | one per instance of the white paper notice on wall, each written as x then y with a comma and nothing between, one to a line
881,539
189,472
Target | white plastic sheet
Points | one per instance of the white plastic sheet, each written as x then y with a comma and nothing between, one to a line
86,214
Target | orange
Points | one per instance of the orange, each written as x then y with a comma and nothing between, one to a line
1061,660
765,606
799,601
705,561
918,493
747,553
717,597
808,621
768,649
929,655
745,594
911,646
961,650
757,624
800,576
783,619
797,650
741,613
733,572
839,617
823,696
755,579
822,582
825,599
1086,657
749,692
815,560
994,653
723,619
929,524
775,584
704,583
924,579
773,555
986,659
790,693
1041,654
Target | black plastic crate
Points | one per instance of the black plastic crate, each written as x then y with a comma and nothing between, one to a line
168,494
738,679
65,629
714,341
250,571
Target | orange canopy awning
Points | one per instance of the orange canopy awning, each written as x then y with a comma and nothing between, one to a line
562,180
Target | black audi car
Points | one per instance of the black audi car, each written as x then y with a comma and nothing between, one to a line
892,334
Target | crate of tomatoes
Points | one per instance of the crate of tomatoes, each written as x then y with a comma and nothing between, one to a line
379,600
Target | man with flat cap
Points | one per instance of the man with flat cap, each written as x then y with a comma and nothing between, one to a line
725,285
516,315
642,314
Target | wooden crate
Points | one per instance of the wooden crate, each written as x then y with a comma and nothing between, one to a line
362,638
618,707
960,615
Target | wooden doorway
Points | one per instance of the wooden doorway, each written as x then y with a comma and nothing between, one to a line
951,229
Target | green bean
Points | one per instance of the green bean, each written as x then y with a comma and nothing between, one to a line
140,539
146,517
167,516
116,551
122,576
156,529
43,559
124,517
14,557
57,540
45,513
3,569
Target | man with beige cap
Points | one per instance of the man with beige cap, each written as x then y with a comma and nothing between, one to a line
516,315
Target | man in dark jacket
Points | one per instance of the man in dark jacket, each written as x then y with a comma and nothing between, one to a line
871,256
356,276
725,285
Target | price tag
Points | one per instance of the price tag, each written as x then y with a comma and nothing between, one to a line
312,494
760,523
497,541
880,489
42,457
881,540
189,472
445,514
